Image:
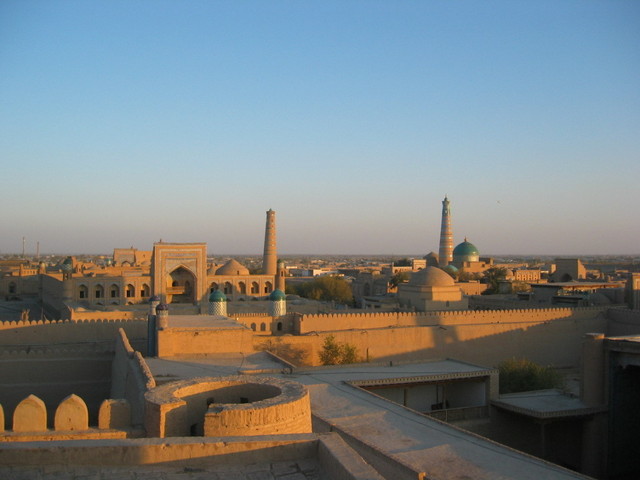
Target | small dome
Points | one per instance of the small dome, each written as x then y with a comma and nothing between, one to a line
232,267
432,259
217,296
466,249
431,277
155,298
450,269
163,307
277,295
67,265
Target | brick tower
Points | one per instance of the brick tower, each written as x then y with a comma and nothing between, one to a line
270,257
446,235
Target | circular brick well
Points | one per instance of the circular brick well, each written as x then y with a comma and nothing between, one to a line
228,406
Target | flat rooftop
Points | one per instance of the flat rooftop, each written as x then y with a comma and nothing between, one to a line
419,442
545,404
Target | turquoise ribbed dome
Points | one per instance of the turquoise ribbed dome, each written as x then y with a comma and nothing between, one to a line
465,249
217,296
277,295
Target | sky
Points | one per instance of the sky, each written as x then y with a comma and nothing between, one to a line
123,122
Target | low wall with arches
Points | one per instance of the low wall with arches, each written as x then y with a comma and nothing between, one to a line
30,420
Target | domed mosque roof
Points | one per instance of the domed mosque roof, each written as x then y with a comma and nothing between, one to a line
232,267
277,295
431,277
450,269
217,296
465,249
67,265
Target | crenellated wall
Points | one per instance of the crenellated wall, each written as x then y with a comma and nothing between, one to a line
24,334
547,336
31,420
305,324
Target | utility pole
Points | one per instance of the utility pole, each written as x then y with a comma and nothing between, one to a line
24,242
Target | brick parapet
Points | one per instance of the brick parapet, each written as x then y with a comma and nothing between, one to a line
336,322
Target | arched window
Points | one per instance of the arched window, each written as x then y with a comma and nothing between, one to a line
242,287
228,288
279,326
130,291
213,287
268,287
253,327
99,291
83,291
145,291
255,288
263,327
13,288
114,291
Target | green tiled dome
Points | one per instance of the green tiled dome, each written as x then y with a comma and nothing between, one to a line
277,295
465,249
217,296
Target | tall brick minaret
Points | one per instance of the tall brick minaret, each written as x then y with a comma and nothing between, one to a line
270,256
445,254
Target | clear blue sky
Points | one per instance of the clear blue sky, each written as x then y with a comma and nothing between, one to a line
124,122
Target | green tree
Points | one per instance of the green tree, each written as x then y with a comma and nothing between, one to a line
398,278
492,278
327,288
466,276
524,375
403,262
336,353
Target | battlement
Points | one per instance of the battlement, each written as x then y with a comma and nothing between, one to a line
349,321
29,421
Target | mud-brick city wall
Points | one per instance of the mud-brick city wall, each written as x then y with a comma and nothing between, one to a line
549,336
55,359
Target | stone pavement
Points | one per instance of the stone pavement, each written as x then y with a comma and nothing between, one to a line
305,469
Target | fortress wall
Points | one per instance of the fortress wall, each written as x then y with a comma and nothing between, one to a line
176,341
343,321
53,359
45,332
81,315
31,421
131,377
623,322
187,451
553,337
333,322
52,376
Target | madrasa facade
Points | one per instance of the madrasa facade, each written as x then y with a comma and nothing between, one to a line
175,273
